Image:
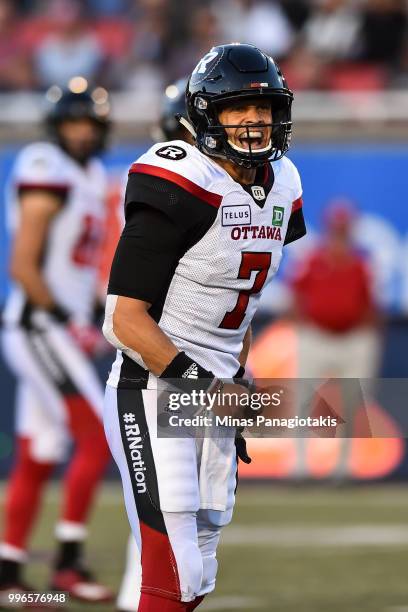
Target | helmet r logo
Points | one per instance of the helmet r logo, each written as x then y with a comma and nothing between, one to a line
201,67
171,152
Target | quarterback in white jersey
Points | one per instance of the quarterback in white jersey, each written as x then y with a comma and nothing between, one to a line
168,128
205,228
56,217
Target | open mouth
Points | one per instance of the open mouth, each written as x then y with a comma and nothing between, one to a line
253,139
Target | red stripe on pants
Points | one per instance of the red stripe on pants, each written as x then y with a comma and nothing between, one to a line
159,569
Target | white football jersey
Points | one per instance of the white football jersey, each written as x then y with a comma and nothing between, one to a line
217,284
71,254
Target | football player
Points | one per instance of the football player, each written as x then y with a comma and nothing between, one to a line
172,124
205,227
168,128
56,209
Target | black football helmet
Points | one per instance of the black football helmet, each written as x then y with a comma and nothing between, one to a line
173,107
70,105
234,72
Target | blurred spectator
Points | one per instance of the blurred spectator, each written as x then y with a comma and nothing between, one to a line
143,66
297,11
204,34
132,44
328,37
331,31
334,305
384,26
71,49
332,50
108,7
305,69
261,23
15,68
22,7
400,75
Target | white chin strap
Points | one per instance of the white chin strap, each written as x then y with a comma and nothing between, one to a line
242,150
188,126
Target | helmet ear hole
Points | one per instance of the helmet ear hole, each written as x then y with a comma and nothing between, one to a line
200,103
211,142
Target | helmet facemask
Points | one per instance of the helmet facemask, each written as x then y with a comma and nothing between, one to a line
216,143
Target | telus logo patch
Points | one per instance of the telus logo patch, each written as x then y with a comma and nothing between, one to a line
236,215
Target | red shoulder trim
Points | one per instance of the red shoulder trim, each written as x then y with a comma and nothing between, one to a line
297,204
211,198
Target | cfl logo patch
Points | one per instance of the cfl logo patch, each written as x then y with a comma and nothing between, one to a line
258,193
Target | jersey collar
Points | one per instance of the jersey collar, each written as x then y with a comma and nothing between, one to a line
261,187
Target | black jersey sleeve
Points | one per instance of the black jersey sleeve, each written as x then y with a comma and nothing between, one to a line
296,226
186,209
147,252
163,221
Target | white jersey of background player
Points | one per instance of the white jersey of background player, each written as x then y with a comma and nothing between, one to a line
204,233
71,256
56,216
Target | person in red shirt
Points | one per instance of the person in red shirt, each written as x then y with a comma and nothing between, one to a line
334,304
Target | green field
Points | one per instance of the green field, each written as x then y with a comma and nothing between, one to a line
297,549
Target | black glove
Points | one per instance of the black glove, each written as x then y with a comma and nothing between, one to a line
240,446
240,373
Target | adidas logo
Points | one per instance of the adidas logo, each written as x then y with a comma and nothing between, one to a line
191,372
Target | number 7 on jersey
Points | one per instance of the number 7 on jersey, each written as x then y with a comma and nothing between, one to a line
250,262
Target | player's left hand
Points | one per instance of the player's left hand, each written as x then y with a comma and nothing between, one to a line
241,447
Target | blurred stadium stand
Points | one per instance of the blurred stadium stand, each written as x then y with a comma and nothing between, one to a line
129,44
346,60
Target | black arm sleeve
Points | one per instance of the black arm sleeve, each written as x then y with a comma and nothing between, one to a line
146,255
162,222
296,227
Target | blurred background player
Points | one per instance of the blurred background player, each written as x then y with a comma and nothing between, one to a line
334,305
56,212
168,128
173,108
